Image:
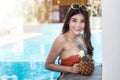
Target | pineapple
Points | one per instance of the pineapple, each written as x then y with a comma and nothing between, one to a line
86,64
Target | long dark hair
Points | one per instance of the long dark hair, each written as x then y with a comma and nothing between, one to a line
86,33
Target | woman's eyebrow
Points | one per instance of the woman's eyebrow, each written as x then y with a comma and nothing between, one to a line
73,18
77,19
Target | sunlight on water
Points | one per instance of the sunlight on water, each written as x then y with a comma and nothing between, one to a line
42,53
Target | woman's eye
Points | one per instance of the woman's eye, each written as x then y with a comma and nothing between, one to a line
74,20
83,21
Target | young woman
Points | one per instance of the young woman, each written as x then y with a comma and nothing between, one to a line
75,37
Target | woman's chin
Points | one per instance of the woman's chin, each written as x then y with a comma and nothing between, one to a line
77,33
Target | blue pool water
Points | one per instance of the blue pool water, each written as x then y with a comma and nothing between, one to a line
25,59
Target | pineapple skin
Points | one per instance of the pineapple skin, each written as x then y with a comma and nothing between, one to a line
86,65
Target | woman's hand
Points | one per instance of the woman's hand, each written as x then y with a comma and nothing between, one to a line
75,68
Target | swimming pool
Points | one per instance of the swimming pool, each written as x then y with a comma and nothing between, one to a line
24,60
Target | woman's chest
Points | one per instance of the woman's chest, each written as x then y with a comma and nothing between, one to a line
72,46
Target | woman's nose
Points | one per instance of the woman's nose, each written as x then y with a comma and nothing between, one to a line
78,24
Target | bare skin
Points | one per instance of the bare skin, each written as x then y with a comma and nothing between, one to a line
67,45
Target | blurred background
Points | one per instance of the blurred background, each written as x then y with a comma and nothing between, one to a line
28,29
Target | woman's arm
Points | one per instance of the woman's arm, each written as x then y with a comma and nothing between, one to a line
55,51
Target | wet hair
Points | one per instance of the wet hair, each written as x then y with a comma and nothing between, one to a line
79,9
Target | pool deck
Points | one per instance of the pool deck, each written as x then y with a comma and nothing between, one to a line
97,75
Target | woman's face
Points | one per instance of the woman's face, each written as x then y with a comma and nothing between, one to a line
77,24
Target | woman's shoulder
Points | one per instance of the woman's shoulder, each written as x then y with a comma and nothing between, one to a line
61,38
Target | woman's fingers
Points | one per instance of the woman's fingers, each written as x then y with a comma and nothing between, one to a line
76,68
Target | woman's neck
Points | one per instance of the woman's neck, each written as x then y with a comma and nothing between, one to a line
71,35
